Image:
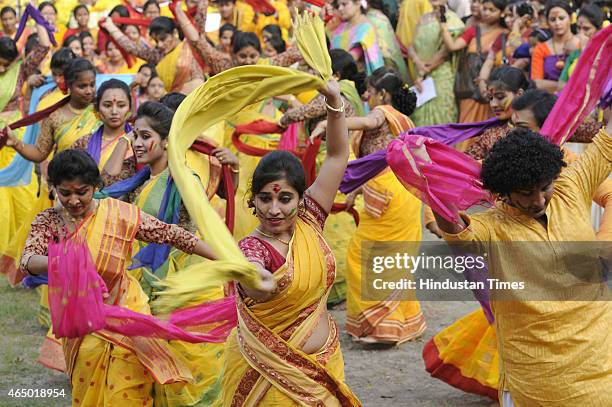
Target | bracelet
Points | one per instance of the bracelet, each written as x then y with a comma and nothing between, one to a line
333,109
233,170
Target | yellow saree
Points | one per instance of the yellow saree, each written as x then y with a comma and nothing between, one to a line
390,213
64,137
264,363
175,68
106,368
75,128
204,360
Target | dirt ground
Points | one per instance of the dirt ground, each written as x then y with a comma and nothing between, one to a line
396,376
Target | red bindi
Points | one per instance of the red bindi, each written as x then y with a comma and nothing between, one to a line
276,188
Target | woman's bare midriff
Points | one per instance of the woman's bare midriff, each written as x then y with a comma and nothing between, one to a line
319,335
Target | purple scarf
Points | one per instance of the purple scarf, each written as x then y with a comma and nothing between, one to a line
360,171
31,11
94,147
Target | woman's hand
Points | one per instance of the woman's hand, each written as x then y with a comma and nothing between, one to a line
422,69
319,130
226,157
433,228
350,200
36,80
12,141
267,284
109,26
332,93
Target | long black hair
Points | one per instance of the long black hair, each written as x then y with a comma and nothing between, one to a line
343,65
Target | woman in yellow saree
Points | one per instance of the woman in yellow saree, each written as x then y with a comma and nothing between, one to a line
339,226
68,123
107,368
174,59
113,105
286,349
158,197
390,213
17,201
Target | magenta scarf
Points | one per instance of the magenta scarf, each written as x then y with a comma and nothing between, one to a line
76,303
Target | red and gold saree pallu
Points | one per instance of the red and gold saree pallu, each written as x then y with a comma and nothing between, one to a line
110,234
264,363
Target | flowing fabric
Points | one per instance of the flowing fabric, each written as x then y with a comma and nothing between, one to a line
9,82
582,93
77,307
360,171
465,355
361,36
31,11
221,97
443,178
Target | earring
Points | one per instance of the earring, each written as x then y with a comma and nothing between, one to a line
301,208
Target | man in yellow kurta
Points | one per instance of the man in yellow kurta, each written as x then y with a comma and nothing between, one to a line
551,352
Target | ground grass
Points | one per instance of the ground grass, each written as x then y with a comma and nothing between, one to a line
20,340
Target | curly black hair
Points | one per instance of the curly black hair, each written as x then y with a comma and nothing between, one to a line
521,161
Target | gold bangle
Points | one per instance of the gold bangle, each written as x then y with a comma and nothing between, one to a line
333,109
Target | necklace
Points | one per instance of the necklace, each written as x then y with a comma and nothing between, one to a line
73,220
74,110
560,62
285,242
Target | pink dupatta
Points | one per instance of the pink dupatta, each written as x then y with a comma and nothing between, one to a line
449,181
76,303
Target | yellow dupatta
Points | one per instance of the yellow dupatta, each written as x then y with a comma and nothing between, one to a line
9,82
220,98
72,130
175,67
270,334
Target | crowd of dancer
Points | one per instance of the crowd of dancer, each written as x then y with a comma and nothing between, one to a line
99,98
